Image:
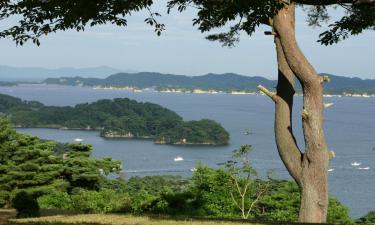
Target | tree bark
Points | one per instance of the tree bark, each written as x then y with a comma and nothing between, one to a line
308,169
285,140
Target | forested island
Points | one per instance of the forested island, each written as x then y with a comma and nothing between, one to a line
117,118
226,83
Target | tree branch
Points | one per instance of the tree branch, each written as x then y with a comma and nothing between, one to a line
270,94
235,201
335,2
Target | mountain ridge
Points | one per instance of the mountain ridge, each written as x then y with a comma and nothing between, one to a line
38,74
227,82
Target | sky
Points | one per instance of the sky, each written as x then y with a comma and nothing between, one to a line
182,49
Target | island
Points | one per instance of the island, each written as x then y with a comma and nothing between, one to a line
117,118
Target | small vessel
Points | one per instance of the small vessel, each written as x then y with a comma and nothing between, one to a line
331,169
326,105
355,163
247,132
178,159
78,139
364,168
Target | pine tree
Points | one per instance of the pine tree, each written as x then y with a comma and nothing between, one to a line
26,164
29,164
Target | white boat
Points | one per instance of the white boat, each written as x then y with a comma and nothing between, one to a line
330,170
78,139
326,105
364,168
178,159
355,163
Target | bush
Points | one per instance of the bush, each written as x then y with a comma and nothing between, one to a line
368,219
26,205
281,203
338,213
103,201
210,193
56,200
143,202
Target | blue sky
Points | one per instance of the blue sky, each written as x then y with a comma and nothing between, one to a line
182,49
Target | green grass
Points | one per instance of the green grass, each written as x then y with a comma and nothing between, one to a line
99,219
58,217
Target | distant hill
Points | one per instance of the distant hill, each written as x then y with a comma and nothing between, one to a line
219,82
37,74
355,85
228,82
7,84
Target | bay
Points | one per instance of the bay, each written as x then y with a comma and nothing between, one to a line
349,127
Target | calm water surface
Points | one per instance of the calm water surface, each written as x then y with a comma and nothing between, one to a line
349,128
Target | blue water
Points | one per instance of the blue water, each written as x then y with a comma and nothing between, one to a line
349,127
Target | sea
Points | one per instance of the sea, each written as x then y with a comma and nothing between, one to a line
349,128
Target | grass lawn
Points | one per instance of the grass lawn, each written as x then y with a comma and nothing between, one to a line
54,217
98,219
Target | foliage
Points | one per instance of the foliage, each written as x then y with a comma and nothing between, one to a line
155,184
368,219
243,187
40,18
71,180
118,118
215,14
338,213
30,164
25,204
84,172
280,203
358,18
56,200
243,16
283,200
26,163
103,201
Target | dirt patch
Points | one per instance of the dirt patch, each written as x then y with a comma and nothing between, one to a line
6,214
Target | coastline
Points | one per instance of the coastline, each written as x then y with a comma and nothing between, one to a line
127,136
200,91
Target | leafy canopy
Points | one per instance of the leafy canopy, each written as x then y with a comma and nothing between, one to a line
41,17
36,18
246,16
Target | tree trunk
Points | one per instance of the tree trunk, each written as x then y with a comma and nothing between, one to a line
308,169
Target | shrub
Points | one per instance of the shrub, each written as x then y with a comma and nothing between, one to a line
368,219
26,205
338,213
103,201
56,200
143,202
211,193
280,203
